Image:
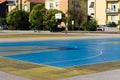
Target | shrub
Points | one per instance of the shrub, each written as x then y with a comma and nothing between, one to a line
90,25
111,24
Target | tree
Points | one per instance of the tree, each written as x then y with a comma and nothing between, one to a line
69,21
36,16
77,12
90,25
50,21
10,19
18,20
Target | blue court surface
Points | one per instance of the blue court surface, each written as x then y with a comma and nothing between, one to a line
63,53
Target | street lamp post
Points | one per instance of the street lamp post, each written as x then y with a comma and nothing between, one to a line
73,23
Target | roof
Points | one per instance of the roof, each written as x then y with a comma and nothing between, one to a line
2,1
37,1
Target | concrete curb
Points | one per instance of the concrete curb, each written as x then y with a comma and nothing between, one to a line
7,76
107,75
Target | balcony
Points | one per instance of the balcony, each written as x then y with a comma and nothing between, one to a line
112,0
112,12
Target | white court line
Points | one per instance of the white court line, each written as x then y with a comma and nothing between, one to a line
100,53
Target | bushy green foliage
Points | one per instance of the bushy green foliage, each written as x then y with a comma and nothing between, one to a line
111,24
77,13
3,21
36,16
69,21
49,18
18,20
10,19
90,25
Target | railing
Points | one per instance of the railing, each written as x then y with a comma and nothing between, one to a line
112,0
111,11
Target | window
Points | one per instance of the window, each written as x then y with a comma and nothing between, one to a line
113,7
73,2
57,3
91,5
51,5
113,18
77,5
25,8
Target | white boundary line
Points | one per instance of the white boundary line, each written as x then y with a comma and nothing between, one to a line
100,53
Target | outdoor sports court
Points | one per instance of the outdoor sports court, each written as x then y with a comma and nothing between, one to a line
63,53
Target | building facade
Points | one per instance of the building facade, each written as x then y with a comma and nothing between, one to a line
69,7
57,4
91,8
97,10
26,5
65,5
104,11
113,11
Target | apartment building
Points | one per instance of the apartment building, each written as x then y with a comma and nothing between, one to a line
113,11
65,5
97,10
104,11
91,8
69,7
57,4
26,5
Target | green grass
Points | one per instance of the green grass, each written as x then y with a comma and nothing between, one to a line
41,72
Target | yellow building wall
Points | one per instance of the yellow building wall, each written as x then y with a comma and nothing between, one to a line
100,13
116,16
116,19
47,2
117,5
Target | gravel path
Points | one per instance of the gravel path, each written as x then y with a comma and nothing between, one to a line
6,76
107,75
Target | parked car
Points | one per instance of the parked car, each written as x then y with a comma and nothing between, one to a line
101,27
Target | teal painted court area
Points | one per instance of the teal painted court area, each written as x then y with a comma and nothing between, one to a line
63,53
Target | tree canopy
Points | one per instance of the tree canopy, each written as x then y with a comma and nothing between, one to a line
49,18
18,20
36,16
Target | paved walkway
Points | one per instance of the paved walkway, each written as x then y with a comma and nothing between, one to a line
6,76
107,75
